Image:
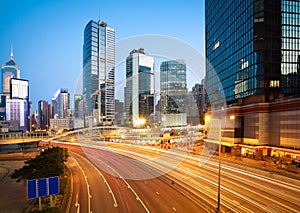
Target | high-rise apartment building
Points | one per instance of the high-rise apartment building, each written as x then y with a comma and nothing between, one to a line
99,73
253,48
139,90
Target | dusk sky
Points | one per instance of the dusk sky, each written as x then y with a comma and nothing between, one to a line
47,36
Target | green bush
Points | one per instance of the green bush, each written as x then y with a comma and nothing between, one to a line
48,163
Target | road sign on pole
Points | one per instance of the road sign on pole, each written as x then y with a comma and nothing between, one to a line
31,189
53,185
42,187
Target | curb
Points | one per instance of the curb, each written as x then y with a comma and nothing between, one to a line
66,203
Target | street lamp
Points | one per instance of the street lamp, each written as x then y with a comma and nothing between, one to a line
219,175
208,118
139,122
231,117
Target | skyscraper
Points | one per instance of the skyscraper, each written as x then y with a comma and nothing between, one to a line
61,104
43,115
139,90
17,110
77,99
253,48
9,70
99,72
173,86
200,98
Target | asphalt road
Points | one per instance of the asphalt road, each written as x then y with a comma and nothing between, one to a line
147,179
241,190
109,191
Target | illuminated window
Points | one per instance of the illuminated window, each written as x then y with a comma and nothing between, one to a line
274,83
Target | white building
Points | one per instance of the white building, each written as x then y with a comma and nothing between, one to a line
60,123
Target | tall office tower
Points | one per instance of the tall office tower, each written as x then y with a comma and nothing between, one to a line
77,99
201,99
51,110
9,70
19,90
61,104
139,90
17,110
119,116
2,107
173,86
99,72
43,115
253,48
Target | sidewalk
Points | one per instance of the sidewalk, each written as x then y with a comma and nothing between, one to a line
17,156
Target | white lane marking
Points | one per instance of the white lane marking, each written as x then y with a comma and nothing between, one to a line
104,180
71,191
128,186
87,186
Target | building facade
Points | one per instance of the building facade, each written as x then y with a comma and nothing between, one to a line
99,73
139,90
252,48
60,124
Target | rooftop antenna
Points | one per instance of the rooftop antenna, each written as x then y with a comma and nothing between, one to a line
99,16
11,53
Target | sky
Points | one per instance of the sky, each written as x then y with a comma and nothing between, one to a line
47,36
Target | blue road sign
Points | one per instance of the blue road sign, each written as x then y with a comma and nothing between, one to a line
53,185
43,187
31,189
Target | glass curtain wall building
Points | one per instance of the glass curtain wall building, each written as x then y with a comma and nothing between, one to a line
99,73
9,70
173,86
253,47
139,90
43,112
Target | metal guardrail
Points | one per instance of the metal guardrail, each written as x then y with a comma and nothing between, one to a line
22,136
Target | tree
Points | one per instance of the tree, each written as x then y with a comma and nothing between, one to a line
48,163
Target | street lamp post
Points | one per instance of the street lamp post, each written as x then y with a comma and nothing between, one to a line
219,176
207,119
